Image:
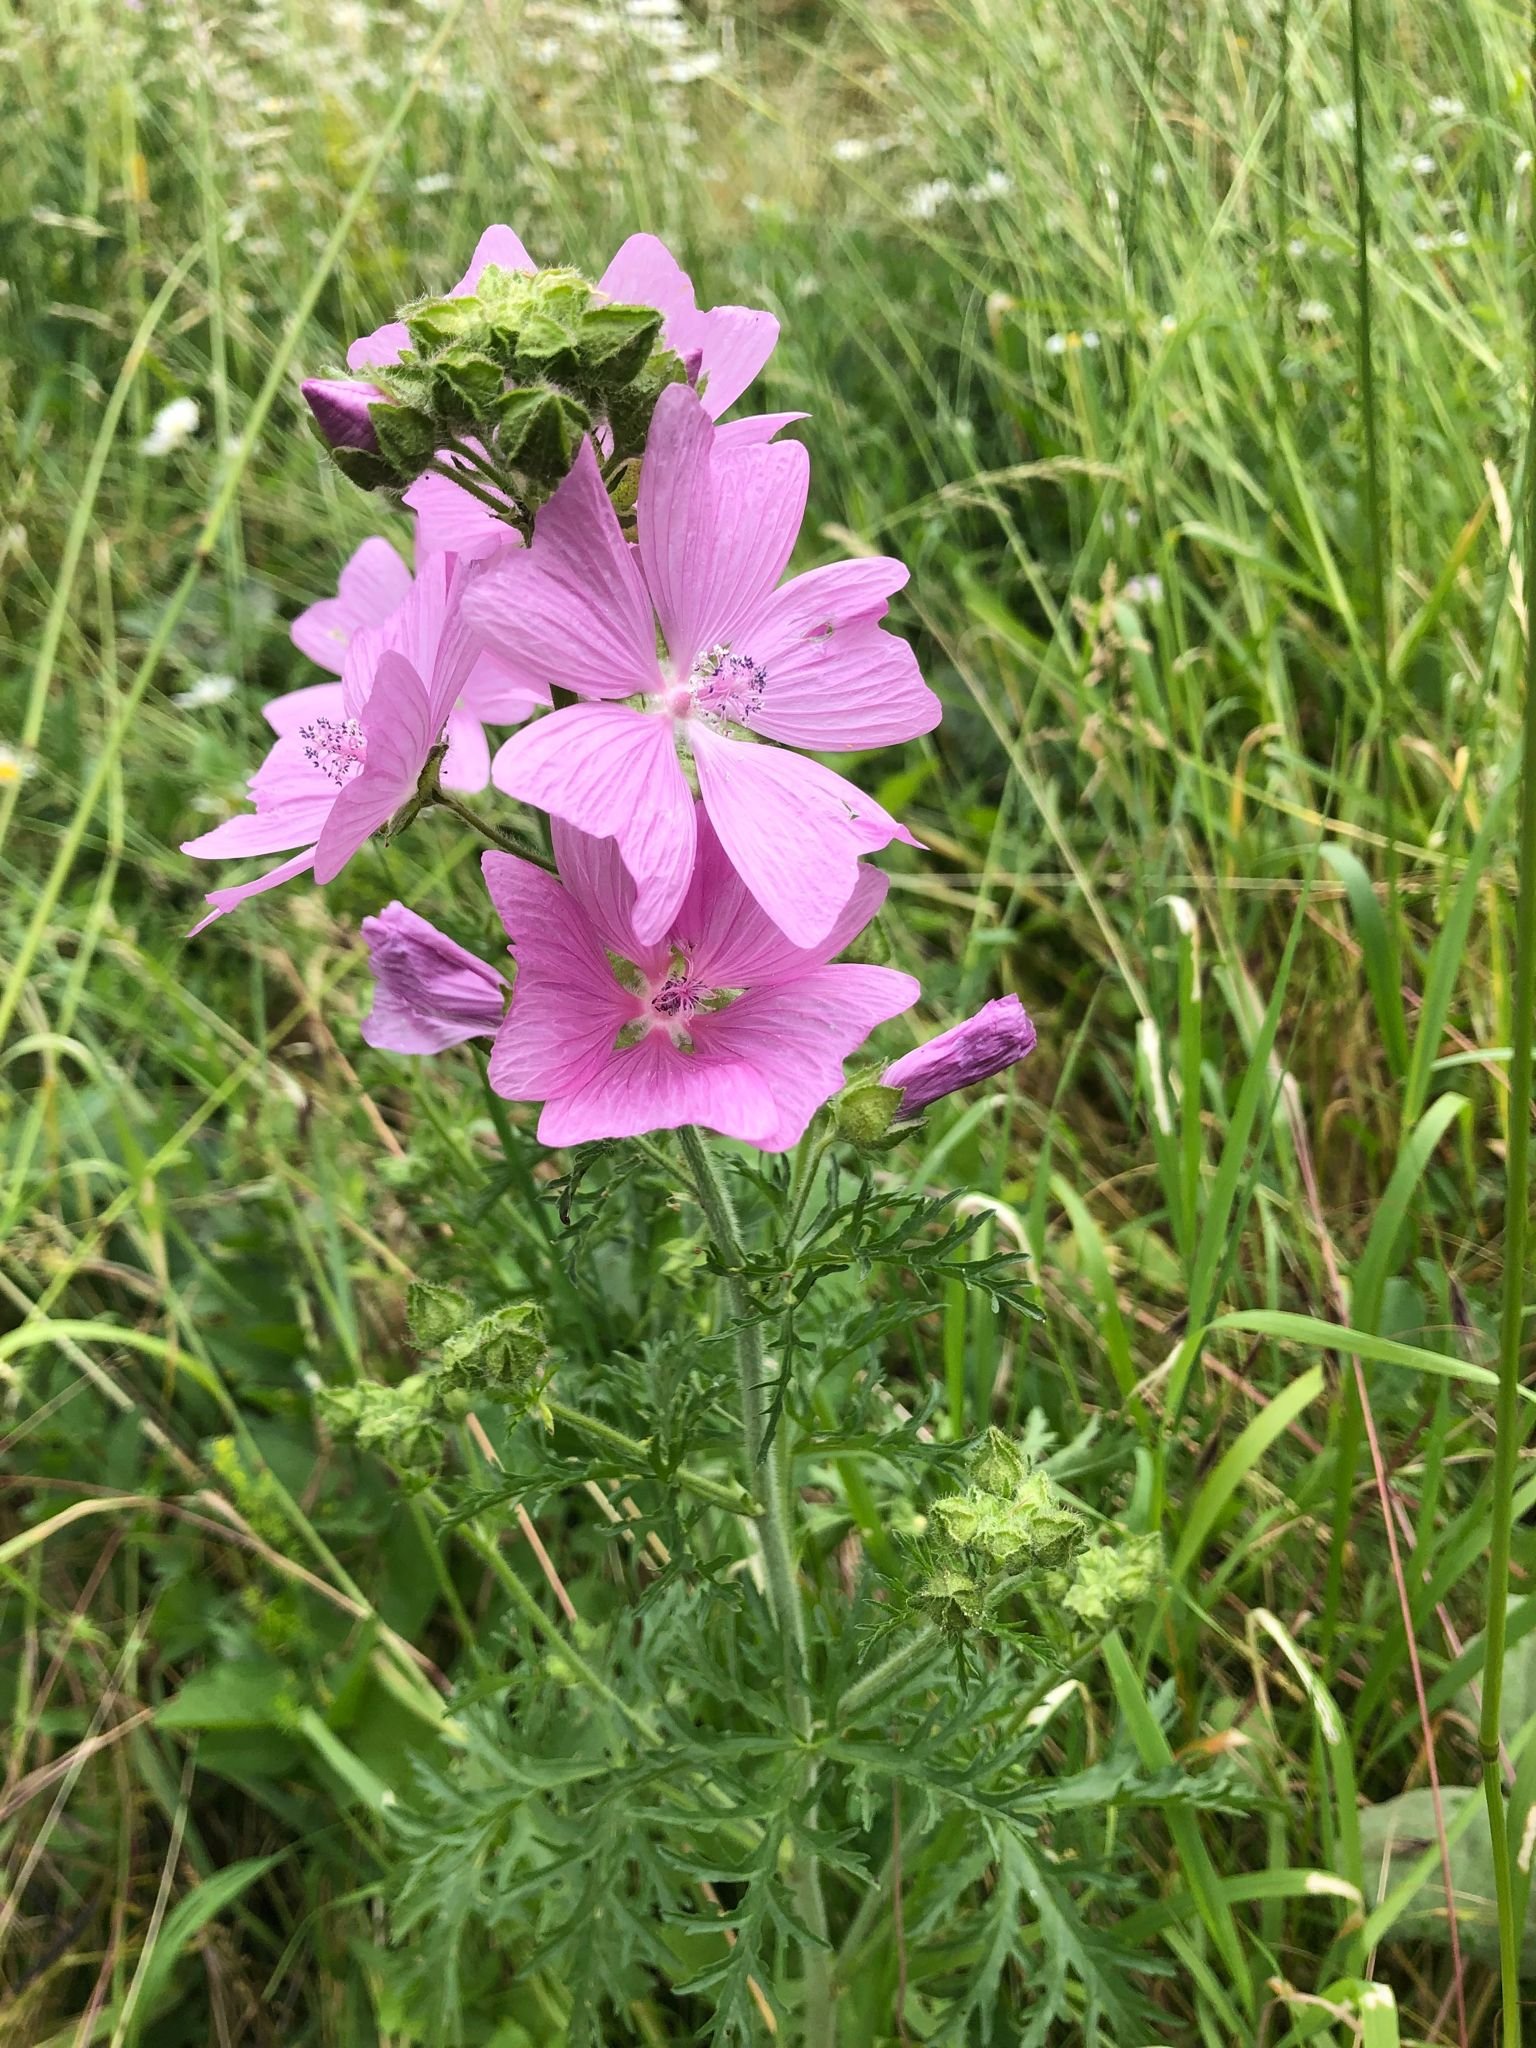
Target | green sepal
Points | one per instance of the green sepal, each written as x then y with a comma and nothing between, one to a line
539,431
615,343
407,439
499,1357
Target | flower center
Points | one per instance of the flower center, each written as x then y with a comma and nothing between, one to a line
668,1002
336,747
724,688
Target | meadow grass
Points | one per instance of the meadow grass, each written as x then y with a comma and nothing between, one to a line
1231,642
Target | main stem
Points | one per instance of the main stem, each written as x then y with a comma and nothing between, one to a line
1517,1210
768,1477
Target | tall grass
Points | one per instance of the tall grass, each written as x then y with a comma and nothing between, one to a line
1224,791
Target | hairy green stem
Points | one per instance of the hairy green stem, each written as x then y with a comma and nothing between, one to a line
468,815
778,1567
1517,1208
636,1451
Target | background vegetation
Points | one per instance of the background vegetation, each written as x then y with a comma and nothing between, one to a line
1223,792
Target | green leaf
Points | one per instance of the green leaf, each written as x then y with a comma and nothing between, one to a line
1236,1463
247,1692
180,1929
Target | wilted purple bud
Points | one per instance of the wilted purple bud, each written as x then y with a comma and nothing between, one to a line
428,993
340,406
999,1034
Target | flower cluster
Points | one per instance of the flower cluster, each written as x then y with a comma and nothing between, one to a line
600,563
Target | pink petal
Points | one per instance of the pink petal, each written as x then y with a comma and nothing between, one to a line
450,522
268,831
370,587
225,900
755,428
717,527
567,1009
596,878
732,342
467,763
735,342
730,939
614,773
498,246
429,630
834,679
793,830
378,350
572,609
798,1036
297,708
653,1086
399,733
499,695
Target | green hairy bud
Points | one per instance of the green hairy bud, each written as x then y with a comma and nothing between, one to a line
1011,1514
404,1424
502,1357
865,1113
1108,1579
952,1601
525,366
434,1312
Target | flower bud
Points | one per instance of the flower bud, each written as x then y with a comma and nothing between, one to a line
429,993
341,409
864,1113
999,1034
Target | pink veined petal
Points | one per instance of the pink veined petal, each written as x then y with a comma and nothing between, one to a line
428,992
498,694
384,346
653,1086
732,342
567,1009
859,687
798,1036
399,734
757,427
429,630
731,941
450,522
226,900
297,708
269,831
595,877
370,587
791,828
736,342
644,272
614,773
571,609
717,527
498,246
467,763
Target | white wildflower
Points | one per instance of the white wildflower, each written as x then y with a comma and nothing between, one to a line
206,690
434,182
688,70
1523,163
171,426
1446,108
1146,589
1333,124
1314,312
1423,164
924,201
1159,174
851,149
15,766
995,185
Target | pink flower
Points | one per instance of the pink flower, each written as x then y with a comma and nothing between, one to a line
348,755
724,347
1000,1034
719,1021
428,993
348,632
806,663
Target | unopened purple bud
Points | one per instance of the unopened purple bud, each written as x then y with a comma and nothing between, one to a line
340,406
428,993
999,1034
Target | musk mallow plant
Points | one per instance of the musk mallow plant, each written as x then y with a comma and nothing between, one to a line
692,953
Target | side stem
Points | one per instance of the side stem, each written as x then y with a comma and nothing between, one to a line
773,1535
